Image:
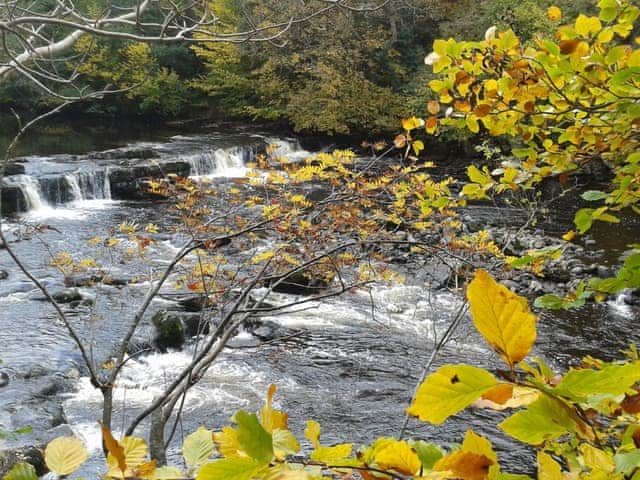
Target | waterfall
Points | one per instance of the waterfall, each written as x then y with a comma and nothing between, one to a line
30,189
289,149
89,185
72,181
220,162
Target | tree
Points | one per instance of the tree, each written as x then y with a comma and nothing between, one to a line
38,41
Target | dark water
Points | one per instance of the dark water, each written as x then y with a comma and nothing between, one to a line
339,364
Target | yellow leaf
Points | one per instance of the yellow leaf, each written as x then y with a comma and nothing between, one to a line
502,317
465,465
398,456
227,442
554,13
284,443
570,235
520,396
448,390
312,433
135,453
198,447
272,419
597,459
412,123
262,257
64,455
475,443
548,468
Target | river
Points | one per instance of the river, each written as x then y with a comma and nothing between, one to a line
350,362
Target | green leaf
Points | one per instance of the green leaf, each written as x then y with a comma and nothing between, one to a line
22,471
253,438
198,447
545,419
550,301
594,195
579,385
428,453
239,468
583,219
448,390
627,462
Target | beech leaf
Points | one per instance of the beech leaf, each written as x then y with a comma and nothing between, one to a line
64,455
502,317
448,390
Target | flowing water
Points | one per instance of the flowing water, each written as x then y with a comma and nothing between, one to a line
349,362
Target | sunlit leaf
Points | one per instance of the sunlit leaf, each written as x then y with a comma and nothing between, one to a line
502,317
198,447
399,457
548,468
466,465
64,455
448,390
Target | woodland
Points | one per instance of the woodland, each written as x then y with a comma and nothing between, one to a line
538,100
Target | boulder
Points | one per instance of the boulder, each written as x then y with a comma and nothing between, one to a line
67,295
127,182
299,283
14,168
4,274
13,200
170,331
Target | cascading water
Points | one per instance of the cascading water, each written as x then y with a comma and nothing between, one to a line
30,189
220,162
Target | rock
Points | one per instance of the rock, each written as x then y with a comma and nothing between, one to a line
4,274
589,242
14,168
535,286
30,454
577,271
67,295
169,331
127,182
84,280
4,379
603,272
139,152
632,297
194,303
13,200
299,283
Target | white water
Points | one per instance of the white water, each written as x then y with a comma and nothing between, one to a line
218,163
289,149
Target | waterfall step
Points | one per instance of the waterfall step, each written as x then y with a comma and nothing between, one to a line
119,174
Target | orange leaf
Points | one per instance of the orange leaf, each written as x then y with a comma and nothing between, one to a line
462,106
568,46
114,448
500,393
433,107
631,404
482,110
432,123
467,465
400,141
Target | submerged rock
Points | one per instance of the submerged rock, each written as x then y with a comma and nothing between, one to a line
67,295
4,274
